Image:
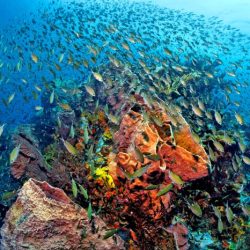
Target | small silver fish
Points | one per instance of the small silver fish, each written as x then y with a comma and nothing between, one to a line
229,214
52,96
72,131
2,128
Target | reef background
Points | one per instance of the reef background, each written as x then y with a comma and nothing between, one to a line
96,126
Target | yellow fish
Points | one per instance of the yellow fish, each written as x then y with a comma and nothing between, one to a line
132,40
211,154
65,106
175,178
201,105
239,118
218,146
61,58
71,149
24,80
209,115
125,46
196,209
218,117
34,58
38,108
246,160
113,119
167,51
90,90
231,74
14,154
52,96
58,67
242,146
1,129
38,88
197,111
209,75
11,97
97,76
227,139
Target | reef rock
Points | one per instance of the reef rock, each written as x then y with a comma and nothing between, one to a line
66,118
44,217
29,161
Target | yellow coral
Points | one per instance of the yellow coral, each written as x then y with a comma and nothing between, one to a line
107,134
103,174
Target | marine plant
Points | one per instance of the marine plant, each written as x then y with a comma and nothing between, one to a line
50,154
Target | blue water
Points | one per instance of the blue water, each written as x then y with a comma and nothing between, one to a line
233,13
44,45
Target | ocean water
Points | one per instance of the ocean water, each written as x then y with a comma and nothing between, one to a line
233,12
72,73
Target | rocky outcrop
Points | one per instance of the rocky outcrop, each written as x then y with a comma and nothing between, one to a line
29,162
44,218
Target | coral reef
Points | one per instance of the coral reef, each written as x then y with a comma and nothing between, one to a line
142,168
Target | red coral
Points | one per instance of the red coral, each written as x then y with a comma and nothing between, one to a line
164,148
184,139
183,162
186,159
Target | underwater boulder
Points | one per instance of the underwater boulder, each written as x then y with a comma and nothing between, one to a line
44,217
30,161
66,119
